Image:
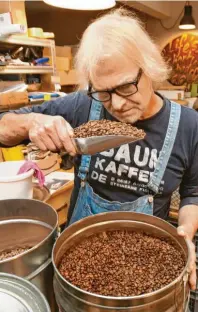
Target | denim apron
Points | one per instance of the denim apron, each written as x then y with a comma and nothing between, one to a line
89,203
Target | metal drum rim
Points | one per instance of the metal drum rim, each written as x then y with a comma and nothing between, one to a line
37,246
31,249
32,201
97,296
30,285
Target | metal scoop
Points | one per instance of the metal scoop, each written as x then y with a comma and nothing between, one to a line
97,144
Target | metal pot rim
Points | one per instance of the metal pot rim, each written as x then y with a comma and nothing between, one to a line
31,287
184,272
32,248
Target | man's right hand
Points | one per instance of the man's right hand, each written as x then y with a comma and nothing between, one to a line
51,133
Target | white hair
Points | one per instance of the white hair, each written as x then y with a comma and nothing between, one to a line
119,34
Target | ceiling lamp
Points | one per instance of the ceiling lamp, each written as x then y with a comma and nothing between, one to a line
187,22
88,5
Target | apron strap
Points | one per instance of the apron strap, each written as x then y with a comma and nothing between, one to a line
95,113
165,153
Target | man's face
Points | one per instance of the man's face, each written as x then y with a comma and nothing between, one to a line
111,74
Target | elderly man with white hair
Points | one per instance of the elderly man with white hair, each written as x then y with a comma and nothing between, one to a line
120,65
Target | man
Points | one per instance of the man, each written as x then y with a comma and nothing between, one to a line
120,65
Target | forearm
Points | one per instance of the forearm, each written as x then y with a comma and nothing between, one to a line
14,128
188,217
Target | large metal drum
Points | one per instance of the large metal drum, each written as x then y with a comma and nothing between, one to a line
29,223
19,295
171,298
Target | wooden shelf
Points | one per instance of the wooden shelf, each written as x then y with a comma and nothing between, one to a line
23,40
21,69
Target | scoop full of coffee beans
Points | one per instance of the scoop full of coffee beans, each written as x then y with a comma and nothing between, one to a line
122,263
107,127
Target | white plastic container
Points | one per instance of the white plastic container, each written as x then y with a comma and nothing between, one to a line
13,185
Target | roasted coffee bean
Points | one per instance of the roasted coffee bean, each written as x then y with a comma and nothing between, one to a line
107,127
5,254
122,263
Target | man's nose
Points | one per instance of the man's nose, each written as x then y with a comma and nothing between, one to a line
117,102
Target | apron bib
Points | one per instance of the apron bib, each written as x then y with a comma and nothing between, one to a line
89,203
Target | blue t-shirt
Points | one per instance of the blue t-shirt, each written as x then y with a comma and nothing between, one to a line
122,174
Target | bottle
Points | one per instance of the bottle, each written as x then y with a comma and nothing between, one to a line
187,93
194,90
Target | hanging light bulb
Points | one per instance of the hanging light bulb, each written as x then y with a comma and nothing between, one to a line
187,22
82,4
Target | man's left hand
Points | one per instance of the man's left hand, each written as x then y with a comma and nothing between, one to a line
192,261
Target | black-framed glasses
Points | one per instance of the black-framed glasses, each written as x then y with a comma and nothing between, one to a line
124,90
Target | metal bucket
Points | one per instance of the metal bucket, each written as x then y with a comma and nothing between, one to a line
43,279
29,223
19,295
171,298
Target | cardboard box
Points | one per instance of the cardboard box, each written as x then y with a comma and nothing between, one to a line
65,51
50,163
64,60
68,78
10,100
17,9
62,63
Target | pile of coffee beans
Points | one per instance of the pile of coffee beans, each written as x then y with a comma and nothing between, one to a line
6,254
107,127
122,263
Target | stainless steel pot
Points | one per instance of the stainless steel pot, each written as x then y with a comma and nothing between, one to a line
19,295
171,298
29,223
